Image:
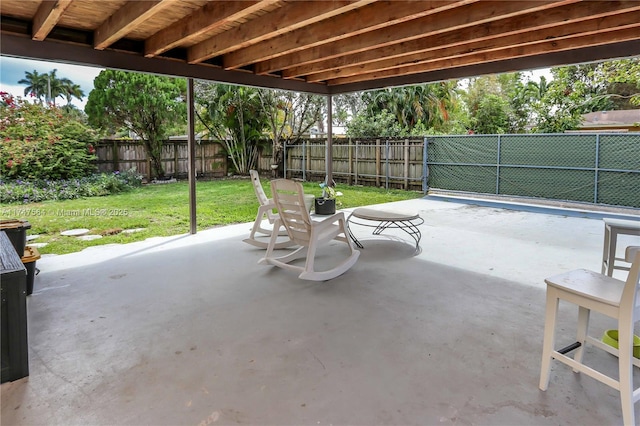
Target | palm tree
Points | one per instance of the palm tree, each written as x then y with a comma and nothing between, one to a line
49,87
56,86
36,84
71,90
426,103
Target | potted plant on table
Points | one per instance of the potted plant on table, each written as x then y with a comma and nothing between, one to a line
326,204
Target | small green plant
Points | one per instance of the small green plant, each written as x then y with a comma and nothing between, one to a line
329,192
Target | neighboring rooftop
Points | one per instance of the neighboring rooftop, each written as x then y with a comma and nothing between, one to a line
620,120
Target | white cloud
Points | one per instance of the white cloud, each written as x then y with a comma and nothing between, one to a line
13,69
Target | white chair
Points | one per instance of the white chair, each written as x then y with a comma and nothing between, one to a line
309,235
613,228
265,212
609,296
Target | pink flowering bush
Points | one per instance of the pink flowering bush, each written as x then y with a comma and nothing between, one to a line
41,142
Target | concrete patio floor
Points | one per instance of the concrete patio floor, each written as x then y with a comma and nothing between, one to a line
190,330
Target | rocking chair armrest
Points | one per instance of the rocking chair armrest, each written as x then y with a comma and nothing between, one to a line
330,220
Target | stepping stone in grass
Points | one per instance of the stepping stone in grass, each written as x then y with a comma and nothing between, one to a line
89,237
75,232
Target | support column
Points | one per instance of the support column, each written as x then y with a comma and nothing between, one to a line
328,156
191,167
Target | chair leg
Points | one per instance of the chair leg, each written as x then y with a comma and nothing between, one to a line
311,257
257,224
549,337
272,243
613,242
605,249
625,368
583,329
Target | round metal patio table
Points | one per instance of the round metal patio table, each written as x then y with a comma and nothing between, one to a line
386,219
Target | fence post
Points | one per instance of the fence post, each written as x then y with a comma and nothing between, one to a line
304,160
284,159
425,168
175,159
406,164
386,162
309,151
203,162
378,166
498,167
116,160
596,171
350,166
356,165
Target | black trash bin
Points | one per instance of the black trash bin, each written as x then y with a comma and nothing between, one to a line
17,232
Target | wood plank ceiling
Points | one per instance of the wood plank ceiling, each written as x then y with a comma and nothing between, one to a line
319,46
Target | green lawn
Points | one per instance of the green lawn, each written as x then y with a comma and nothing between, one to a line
162,210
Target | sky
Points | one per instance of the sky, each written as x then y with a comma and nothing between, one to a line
13,69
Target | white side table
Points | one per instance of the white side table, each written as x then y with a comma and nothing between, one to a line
613,228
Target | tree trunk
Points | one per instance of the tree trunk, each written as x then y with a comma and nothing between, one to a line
154,151
278,158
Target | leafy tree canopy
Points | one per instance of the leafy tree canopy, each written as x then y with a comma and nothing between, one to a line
145,104
426,107
234,115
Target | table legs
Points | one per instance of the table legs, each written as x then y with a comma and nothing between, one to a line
407,226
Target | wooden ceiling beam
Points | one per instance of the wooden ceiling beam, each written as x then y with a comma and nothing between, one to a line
521,24
617,35
291,16
47,16
496,42
448,20
126,19
604,52
363,20
208,18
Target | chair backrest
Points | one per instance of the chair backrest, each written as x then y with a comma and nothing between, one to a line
289,198
629,303
257,187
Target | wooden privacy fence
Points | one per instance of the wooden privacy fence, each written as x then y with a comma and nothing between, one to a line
595,168
389,163
121,155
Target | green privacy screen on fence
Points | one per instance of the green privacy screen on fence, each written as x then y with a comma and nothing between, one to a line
595,168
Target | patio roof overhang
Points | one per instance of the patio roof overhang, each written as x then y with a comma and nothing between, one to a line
323,47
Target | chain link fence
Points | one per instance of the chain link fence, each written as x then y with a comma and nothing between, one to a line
593,168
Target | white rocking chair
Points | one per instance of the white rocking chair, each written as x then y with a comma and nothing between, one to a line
265,212
294,216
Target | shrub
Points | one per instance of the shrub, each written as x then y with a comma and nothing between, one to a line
31,191
42,142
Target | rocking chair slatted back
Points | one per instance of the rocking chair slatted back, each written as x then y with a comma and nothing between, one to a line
289,198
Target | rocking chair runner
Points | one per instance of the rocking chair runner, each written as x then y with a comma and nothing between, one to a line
265,211
289,199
